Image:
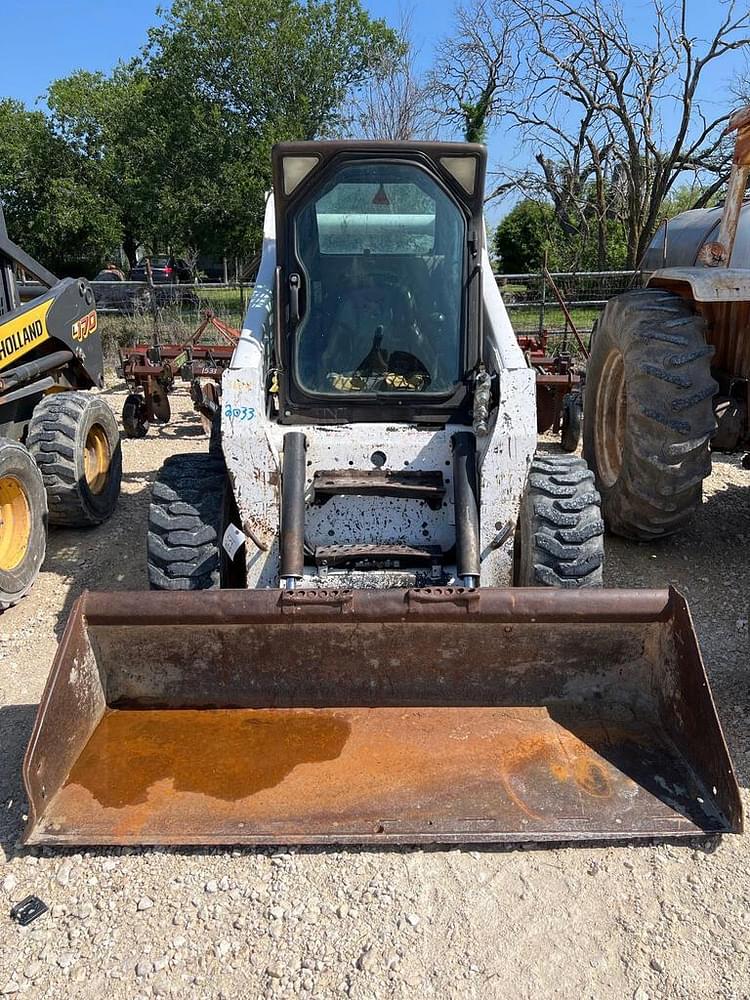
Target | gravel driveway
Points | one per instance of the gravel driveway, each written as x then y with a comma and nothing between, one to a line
653,921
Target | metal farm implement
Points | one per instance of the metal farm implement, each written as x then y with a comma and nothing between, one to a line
151,371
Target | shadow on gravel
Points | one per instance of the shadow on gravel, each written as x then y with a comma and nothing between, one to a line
183,430
15,729
111,556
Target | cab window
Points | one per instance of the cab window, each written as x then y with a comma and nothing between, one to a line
381,247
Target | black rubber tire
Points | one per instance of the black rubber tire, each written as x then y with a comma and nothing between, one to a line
571,422
560,535
214,439
650,353
58,431
17,579
186,524
134,421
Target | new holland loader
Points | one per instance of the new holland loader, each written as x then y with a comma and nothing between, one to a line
377,612
60,457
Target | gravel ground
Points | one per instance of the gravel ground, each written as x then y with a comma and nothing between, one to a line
653,921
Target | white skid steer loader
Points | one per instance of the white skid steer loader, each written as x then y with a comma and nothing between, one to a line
378,420
331,658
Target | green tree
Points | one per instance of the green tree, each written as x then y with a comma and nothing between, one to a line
532,229
524,235
241,75
685,198
178,142
180,139
52,208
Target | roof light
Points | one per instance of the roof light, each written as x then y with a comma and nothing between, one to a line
464,169
295,169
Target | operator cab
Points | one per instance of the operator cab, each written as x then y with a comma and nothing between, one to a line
378,284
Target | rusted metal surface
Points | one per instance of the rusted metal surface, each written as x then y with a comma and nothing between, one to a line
729,332
419,485
390,716
153,369
360,556
556,375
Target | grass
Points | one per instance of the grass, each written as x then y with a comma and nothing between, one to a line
175,323
527,320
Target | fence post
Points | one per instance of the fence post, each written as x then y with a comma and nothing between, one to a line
152,298
543,295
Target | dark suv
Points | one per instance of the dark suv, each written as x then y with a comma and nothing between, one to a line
163,270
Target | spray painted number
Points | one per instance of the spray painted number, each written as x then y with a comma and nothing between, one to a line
240,412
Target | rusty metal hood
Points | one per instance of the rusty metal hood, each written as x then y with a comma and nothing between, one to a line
380,716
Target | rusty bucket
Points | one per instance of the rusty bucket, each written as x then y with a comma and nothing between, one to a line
431,715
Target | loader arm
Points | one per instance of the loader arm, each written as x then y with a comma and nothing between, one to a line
52,332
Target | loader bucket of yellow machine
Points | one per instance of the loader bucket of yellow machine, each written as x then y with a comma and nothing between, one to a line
432,715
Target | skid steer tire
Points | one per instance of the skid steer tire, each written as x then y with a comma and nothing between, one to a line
75,441
560,536
186,523
23,522
648,412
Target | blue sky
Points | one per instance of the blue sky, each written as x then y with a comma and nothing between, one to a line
61,36
43,40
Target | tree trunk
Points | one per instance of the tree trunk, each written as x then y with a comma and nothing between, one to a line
130,246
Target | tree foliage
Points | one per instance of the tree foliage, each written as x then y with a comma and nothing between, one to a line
52,208
531,231
173,149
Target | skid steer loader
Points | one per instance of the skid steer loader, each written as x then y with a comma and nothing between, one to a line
668,381
59,444
333,651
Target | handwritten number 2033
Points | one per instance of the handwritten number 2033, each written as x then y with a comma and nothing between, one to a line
240,412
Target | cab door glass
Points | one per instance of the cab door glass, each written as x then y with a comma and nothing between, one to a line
381,248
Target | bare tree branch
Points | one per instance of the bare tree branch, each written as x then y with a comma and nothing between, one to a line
612,122
395,102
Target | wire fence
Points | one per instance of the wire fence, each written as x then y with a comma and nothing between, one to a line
537,303
534,306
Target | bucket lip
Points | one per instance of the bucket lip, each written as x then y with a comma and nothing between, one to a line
560,838
511,605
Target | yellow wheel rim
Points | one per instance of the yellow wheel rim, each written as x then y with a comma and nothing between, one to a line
15,523
96,460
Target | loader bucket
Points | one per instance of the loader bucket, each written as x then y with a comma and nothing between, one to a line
431,715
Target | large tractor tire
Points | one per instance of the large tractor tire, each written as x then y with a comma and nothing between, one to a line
186,523
23,522
74,440
560,535
648,412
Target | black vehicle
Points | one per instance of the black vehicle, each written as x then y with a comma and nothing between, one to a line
113,293
164,270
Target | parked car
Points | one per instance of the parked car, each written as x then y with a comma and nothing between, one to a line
164,270
110,290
